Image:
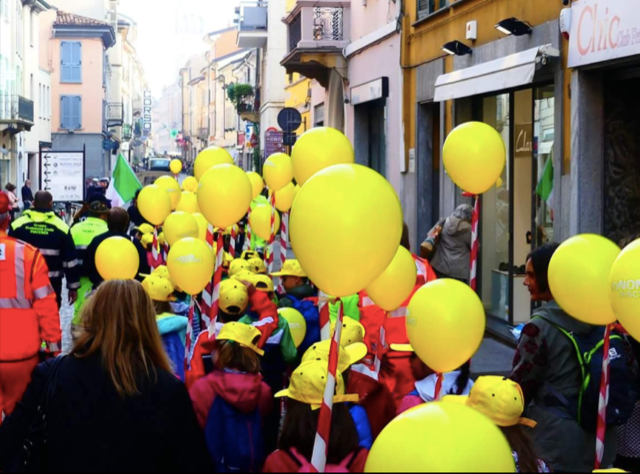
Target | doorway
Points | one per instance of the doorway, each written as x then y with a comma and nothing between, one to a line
370,143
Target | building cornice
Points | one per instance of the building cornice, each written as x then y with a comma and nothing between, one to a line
105,33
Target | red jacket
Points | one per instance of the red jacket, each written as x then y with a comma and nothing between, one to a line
281,461
375,398
28,310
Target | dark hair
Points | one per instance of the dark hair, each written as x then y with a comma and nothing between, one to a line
301,424
522,444
43,199
540,259
118,220
405,241
231,355
10,187
162,307
462,380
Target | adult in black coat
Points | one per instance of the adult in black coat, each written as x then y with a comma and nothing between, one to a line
115,405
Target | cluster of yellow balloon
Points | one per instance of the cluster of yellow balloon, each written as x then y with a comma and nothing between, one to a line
286,196
169,184
278,171
297,324
178,226
396,283
260,221
154,204
257,183
190,184
188,203
209,158
224,195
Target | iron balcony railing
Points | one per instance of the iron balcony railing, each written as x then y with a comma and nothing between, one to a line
16,107
319,24
327,24
295,32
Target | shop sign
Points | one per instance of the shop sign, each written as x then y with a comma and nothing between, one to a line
374,90
524,143
146,113
602,30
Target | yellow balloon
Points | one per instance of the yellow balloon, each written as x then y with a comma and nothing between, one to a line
154,203
624,288
285,197
318,149
188,203
474,156
260,221
396,283
346,225
445,324
175,166
579,278
278,171
224,195
209,158
190,263
180,225
257,183
441,437
170,184
202,226
190,184
117,259
297,324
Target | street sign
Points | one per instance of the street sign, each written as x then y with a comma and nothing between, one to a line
273,142
289,119
62,174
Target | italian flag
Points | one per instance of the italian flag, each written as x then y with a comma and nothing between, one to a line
124,184
545,185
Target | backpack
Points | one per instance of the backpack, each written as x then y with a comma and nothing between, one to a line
305,466
234,438
622,395
309,311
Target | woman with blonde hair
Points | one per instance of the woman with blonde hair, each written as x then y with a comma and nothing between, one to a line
112,404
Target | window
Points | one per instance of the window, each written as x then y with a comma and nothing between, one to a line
71,61
427,7
47,100
19,28
318,115
32,27
70,112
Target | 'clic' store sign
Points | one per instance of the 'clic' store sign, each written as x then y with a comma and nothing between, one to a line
602,30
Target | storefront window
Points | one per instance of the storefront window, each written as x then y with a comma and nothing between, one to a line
543,140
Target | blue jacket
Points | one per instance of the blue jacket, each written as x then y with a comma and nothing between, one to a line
361,420
173,330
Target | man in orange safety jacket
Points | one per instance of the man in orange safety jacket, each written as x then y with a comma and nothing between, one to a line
28,313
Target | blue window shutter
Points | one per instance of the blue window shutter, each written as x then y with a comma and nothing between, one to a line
78,112
76,61
65,61
64,112
75,110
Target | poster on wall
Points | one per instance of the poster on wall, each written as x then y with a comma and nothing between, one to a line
62,174
273,142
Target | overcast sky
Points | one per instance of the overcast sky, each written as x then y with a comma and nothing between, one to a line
171,31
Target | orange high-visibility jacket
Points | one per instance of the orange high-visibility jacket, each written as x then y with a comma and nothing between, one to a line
28,310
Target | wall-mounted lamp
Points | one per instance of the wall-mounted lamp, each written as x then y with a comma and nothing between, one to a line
456,48
513,26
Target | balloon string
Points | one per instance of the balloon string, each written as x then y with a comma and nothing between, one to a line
439,380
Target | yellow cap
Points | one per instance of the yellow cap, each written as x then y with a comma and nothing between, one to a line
352,331
237,265
498,398
308,382
234,297
347,356
257,265
227,259
146,240
263,283
146,229
244,275
244,334
161,239
249,254
291,268
158,289
402,347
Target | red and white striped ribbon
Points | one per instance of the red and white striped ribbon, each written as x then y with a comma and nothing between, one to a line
247,233
324,315
272,237
189,346
475,244
207,294
232,242
284,245
321,445
155,250
603,400
165,253
217,279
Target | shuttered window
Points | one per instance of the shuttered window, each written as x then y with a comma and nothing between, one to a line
71,61
71,112
427,7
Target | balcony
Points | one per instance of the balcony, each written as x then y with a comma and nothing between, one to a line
115,114
16,113
252,24
127,131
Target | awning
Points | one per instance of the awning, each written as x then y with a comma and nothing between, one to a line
505,73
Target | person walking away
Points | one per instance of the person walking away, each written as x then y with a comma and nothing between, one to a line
27,195
502,401
304,397
232,401
28,313
44,230
10,191
452,257
135,217
114,404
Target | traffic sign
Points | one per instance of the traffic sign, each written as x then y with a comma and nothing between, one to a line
289,119
62,174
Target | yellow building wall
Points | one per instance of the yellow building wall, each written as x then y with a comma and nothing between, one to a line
422,43
296,94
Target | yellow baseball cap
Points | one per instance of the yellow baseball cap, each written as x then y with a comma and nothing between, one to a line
158,289
146,240
257,265
244,334
263,283
308,382
402,347
498,398
347,356
291,268
237,265
244,275
352,331
146,229
234,297
249,254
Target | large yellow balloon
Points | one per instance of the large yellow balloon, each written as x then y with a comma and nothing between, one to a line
624,289
297,324
190,184
188,203
117,259
579,278
209,158
278,171
224,195
441,437
346,225
154,204
318,149
202,226
175,166
260,221
445,324
190,263
474,156
285,197
257,183
180,225
170,184
396,283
